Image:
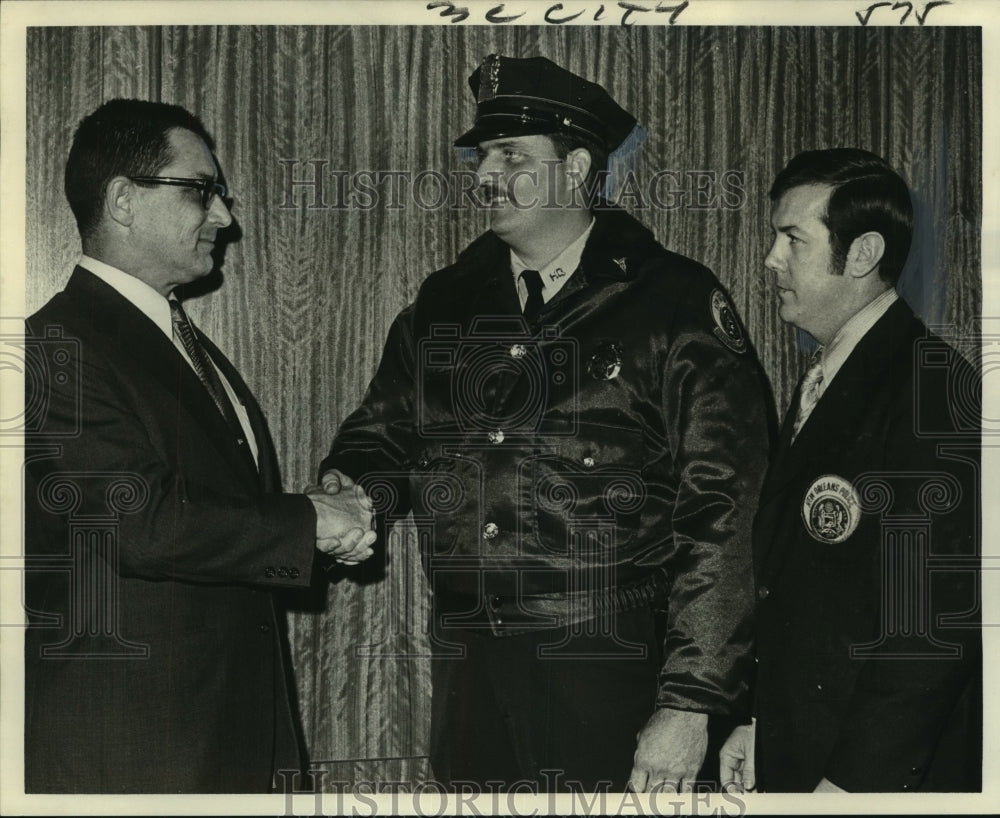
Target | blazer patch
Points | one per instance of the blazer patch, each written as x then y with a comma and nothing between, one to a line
831,509
727,328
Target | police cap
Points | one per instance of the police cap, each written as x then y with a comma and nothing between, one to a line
519,97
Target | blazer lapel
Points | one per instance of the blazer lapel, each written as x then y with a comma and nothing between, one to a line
136,336
783,447
838,412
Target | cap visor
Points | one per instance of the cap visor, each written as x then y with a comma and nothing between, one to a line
497,129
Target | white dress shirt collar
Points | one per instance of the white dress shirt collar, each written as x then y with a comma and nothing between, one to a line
849,335
145,299
554,274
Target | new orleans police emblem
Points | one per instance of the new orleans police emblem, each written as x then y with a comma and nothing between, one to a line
727,327
831,509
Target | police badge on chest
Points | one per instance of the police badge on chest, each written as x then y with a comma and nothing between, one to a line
606,361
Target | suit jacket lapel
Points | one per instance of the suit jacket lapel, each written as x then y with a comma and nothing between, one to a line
258,425
843,403
135,335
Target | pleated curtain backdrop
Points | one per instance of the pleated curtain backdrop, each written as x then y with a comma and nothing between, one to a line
307,293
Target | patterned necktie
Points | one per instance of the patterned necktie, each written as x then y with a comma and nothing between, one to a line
533,281
812,388
184,329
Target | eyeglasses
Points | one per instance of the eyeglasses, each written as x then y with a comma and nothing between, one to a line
208,188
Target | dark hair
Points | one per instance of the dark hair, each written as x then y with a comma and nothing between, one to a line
566,141
124,137
868,195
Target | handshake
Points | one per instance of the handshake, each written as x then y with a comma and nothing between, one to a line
343,519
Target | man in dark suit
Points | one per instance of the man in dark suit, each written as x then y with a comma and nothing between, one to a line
155,527
866,537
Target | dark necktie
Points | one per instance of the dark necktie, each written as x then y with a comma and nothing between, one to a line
184,329
533,281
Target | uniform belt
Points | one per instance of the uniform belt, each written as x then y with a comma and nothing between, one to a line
513,614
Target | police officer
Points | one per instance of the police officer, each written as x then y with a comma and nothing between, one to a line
577,422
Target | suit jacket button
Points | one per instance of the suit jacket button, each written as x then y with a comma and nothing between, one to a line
764,592
269,571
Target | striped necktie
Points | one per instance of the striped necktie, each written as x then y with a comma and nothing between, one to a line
184,330
812,389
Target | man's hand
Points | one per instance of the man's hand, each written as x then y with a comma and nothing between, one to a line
343,526
334,482
671,750
736,764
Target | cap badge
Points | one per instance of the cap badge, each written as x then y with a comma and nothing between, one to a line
490,79
727,328
621,263
831,509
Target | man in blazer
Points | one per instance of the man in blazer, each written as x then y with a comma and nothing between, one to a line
866,537
155,527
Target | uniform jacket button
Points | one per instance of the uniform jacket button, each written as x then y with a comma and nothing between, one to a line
588,462
764,592
490,530
282,572
293,573
496,437
269,571
264,627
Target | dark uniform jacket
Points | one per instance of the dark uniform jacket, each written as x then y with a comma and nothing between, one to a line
614,447
865,549
154,659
